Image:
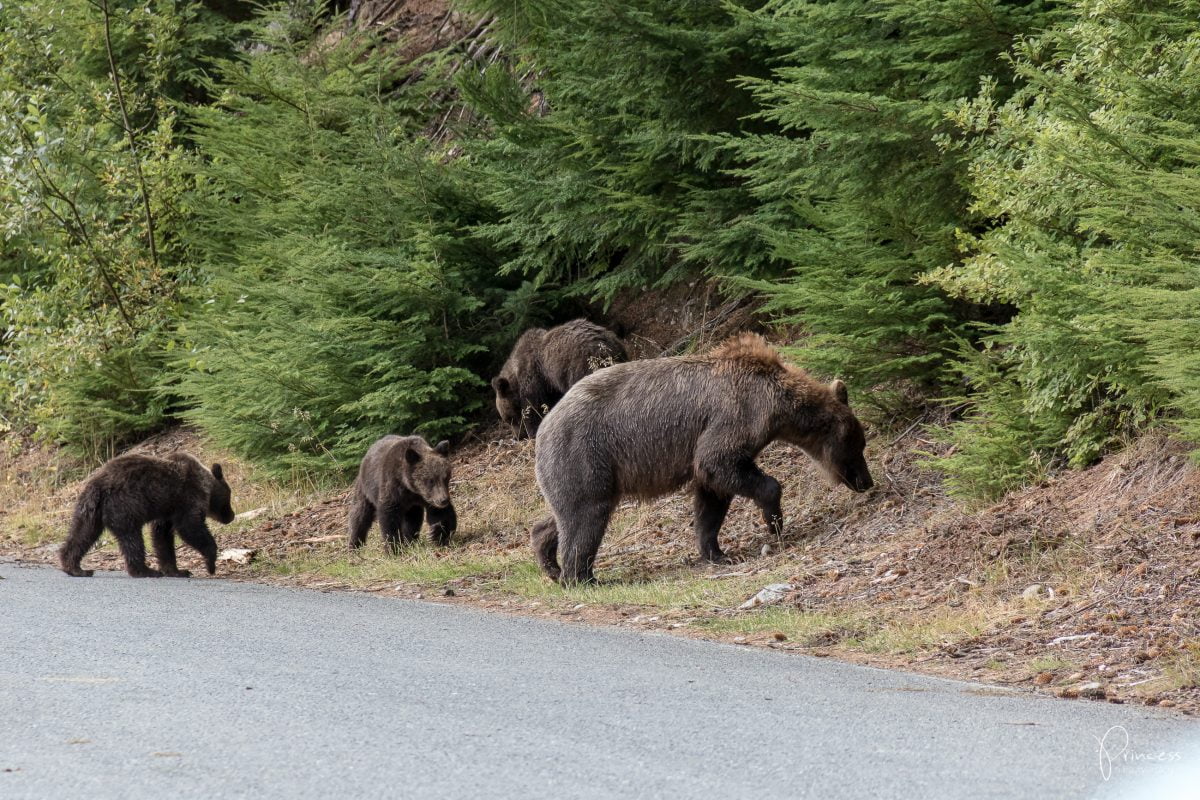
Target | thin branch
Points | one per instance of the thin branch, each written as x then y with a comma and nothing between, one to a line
133,152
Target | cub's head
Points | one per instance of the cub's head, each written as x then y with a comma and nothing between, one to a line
508,405
511,406
427,471
837,442
218,497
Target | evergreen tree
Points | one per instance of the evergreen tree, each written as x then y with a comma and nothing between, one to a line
1093,171
348,298
91,197
855,191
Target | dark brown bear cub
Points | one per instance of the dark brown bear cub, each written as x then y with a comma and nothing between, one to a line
403,481
649,427
544,364
174,493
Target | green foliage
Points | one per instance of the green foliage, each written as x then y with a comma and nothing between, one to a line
1093,170
619,177
854,191
90,193
348,298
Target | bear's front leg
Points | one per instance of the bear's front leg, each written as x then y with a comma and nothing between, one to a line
163,540
709,509
133,548
443,522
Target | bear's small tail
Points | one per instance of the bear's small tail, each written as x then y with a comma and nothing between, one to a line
86,526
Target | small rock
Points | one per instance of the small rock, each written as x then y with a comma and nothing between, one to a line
766,550
578,606
768,595
739,640
1093,689
238,555
419,596
1069,692
1033,592
1166,703
1043,678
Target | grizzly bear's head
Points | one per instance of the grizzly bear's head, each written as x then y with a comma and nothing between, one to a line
427,472
838,443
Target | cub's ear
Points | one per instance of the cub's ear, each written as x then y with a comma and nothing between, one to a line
442,448
412,456
502,386
217,472
839,391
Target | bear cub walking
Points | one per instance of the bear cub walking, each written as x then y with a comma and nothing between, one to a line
403,481
175,493
544,364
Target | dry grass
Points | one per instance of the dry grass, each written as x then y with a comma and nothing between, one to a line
1091,576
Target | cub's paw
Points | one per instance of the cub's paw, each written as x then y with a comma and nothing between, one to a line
79,573
177,573
145,572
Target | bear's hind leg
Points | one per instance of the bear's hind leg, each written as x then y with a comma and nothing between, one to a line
85,532
544,539
709,510
133,548
163,539
362,514
579,541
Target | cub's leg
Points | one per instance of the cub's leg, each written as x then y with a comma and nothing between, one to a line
133,548
544,538
709,510
579,540
163,539
410,523
195,534
362,514
85,532
390,520
443,522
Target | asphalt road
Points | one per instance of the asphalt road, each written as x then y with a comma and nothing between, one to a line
120,688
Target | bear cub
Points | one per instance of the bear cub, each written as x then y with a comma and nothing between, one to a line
174,493
544,364
404,482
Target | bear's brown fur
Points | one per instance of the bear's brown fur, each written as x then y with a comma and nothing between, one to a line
175,492
649,427
404,482
544,364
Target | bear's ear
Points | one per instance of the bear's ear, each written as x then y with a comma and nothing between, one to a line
217,472
442,448
839,391
411,455
502,386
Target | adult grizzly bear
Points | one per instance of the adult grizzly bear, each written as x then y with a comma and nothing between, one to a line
648,427
404,482
175,493
544,364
